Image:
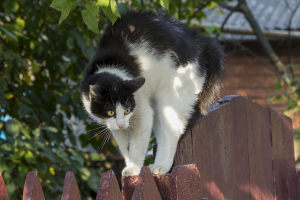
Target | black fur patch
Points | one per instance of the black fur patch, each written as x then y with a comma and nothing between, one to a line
108,90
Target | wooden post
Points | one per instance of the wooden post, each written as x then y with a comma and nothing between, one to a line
185,183
3,191
146,188
243,151
32,188
108,187
70,191
298,180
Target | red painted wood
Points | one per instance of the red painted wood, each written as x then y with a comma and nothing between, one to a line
163,183
108,187
220,151
32,188
261,184
283,156
146,188
185,183
128,185
298,180
70,191
289,157
3,191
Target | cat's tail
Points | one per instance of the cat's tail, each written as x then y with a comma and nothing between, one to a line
212,59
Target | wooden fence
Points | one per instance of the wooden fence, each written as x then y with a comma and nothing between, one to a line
242,150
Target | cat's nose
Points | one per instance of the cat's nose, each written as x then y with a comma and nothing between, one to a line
121,125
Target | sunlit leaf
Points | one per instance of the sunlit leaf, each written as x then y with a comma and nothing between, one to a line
20,23
165,4
90,20
66,9
11,6
91,5
59,4
12,126
52,170
50,129
103,3
29,157
212,5
9,95
111,16
98,157
114,8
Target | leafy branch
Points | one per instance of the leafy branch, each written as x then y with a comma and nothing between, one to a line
91,10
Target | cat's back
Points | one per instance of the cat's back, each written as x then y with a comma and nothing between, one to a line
157,32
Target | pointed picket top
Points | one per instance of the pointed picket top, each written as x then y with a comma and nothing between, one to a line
32,188
146,188
185,182
108,187
70,191
3,191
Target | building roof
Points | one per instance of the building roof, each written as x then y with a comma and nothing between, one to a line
270,14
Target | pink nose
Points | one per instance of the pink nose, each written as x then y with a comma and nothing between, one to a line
121,125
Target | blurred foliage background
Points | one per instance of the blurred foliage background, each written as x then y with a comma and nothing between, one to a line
41,64
44,48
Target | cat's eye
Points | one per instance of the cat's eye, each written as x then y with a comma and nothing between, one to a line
127,112
110,113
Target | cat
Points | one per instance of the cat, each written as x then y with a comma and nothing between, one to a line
151,73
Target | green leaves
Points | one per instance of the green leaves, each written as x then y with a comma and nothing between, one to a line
114,8
103,3
165,4
112,11
11,6
89,16
65,6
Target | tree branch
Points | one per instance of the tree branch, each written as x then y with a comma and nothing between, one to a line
237,7
276,62
228,7
200,7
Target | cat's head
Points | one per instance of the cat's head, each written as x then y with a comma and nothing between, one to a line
109,99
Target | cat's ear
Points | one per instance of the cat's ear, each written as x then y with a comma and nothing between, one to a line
94,90
137,83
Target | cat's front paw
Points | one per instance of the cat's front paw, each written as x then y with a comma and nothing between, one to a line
131,171
158,169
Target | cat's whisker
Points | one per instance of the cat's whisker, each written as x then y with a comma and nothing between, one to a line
129,131
106,139
93,129
101,132
131,126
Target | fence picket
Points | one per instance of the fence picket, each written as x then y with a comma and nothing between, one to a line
108,187
298,179
146,188
163,183
70,191
3,191
185,183
32,188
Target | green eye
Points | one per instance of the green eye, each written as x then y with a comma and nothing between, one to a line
127,112
110,113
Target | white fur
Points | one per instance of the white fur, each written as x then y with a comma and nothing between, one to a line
174,91
120,73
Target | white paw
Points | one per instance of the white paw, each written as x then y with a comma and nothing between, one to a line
131,171
158,169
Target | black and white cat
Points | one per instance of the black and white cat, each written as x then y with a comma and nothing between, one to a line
151,73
